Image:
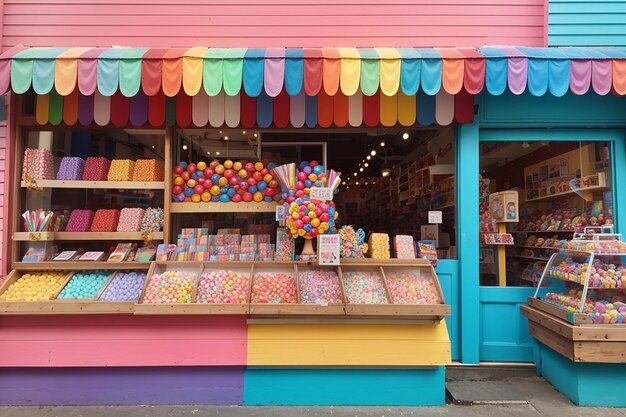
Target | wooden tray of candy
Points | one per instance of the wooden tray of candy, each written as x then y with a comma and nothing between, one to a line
561,313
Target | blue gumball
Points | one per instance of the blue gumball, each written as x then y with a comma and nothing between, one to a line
224,190
261,185
195,175
304,164
252,189
271,166
188,192
180,197
199,173
318,169
308,183
268,199
183,164
215,178
231,192
284,195
224,198
307,227
307,169
299,200
215,198
318,183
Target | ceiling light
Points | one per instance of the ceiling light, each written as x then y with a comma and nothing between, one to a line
382,143
366,183
220,132
405,135
355,174
217,153
366,165
385,172
185,147
357,183
373,153
343,183
152,146
243,132
256,135
360,169
226,137
208,152
368,157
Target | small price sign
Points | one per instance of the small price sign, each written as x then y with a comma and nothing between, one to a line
435,217
321,193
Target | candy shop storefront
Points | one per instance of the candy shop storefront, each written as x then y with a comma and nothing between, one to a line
299,226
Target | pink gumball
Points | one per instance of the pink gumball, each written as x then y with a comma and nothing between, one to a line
249,167
324,217
299,193
199,189
233,182
318,211
302,176
299,224
192,168
299,185
306,219
244,185
229,173
313,163
290,200
313,233
265,171
208,183
178,170
208,172
251,181
201,180
236,198
177,189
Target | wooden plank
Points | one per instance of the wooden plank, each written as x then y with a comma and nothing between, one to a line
80,265
223,207
551,339
558,312
603,352
118,236
114,185
296,309
65,307
191,309
545,320
600,333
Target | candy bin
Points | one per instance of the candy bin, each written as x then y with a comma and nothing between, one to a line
225,286
85,285
33,286
171,283
125,286
272,288
363,286
320,290
105,220
412,285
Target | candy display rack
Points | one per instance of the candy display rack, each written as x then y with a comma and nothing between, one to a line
226,308
271,307
319,308
157,268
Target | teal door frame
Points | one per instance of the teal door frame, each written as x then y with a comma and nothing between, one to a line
468,169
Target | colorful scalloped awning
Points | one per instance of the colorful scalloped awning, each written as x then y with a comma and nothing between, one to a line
347,71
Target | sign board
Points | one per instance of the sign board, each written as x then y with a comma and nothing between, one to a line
328,249
321,193
435,217
280,213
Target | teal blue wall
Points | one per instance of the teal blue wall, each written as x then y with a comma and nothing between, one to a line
448,274
587,23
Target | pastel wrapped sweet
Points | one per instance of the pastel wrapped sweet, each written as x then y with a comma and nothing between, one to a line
121,170
379,246
96,169
148,170
80,221
285,245
405,247
352,242
170,287
409,287
152,220
38,164
364,287
125,286
35,286
105,220
130,220
274,287
71,168
85,284
223,286
319,286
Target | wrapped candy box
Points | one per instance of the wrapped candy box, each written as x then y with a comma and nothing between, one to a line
130,220
148,170
405,247
71,168
105,220
80,221
121,170
379,246
152,220
38,165
96,169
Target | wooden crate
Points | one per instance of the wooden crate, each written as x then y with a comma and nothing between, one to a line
227,308
572,318
318,309
274,308
353,309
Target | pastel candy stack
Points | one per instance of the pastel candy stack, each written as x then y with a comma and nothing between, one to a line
152,220
408,287
80,221
148,170
379,246
85,284
121,170
274,287
130,220
170,287
223,287
36,286
105,220
96,169
405,247
125,286
38,165
364,287
320,286
71,168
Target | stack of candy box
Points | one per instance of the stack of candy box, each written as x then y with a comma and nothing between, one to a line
148,170
379,246
38,165
130,219
71,168
96,169
80,221
121,170
601,309
352,242
105,220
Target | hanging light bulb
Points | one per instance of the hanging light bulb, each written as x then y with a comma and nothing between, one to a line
360,169
185,147
382,143
355,174
366,165
368,157
405,135
373,153
226,137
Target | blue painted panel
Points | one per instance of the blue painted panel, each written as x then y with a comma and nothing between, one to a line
586,23
424,386
559,371
549,111
504,335
448,274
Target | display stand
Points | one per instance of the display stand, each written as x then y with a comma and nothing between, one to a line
574,352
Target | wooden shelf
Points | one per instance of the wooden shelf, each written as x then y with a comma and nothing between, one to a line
445,206
33,236
79,265
536,247
65,307
569,193
242,207
104,185
532,232
59,236
533,258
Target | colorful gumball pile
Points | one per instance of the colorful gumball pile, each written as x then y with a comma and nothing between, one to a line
125,286
274,287
36,286
408,287
320,286
170,287
309,218
601,309
85,284
230,181
364,287
223,287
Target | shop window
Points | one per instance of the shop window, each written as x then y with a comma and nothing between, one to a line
533,197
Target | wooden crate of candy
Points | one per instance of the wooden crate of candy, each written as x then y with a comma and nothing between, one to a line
82,291
32,292
319,291
365,290
224,288
124,288
274,289
170,288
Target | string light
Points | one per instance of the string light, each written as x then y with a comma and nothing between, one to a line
368,157
373,153
217,153
366,165
360,169
405,135
382,143
185,147
355,174
226,137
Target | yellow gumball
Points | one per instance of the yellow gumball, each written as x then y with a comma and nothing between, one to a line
191,183
294,232
195,198
301,232
268,178
312,215
296,215
237,166
324,225
206,196
336,215
258,196
307,191
179,181
223,181
311,206
315,222
312,177
258,166
228,164
215,190
201,166
243,173
220,169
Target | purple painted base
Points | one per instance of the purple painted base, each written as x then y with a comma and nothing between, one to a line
121,386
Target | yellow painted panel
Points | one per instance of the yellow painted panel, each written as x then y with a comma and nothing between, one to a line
348,345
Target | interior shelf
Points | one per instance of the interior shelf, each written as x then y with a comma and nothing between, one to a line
241,207
115,185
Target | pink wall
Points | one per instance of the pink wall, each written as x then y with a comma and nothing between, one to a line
264,23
